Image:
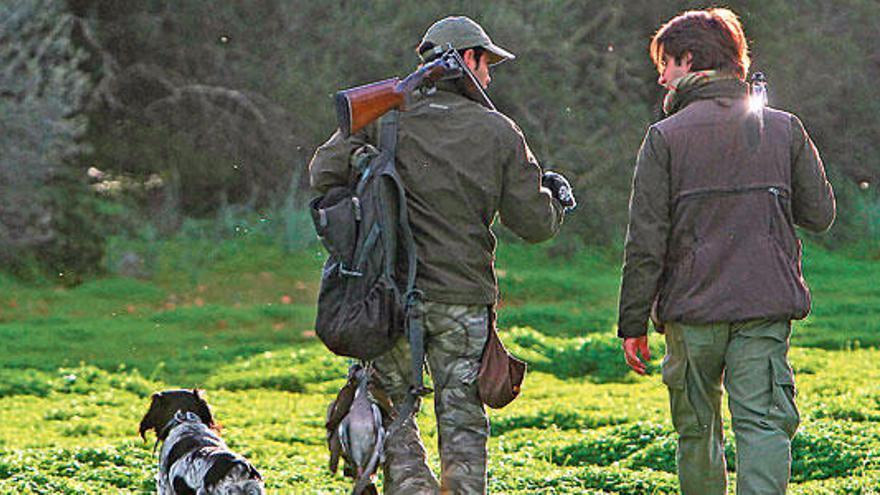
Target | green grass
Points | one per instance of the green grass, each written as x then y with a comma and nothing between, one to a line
236,318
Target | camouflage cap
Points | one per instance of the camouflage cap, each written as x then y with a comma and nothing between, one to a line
462,32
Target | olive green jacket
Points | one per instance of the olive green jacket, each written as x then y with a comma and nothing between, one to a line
461,164
717,191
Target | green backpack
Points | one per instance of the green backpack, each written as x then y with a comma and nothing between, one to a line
366,301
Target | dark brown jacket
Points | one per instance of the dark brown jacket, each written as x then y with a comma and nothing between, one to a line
717,191
461,165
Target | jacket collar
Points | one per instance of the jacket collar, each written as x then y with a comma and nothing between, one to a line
703,85
452,86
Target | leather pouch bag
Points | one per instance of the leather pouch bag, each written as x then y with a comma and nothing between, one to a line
501,374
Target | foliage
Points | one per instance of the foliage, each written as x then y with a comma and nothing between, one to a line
309,366
79,365
46,213
186,101
596,356
82,380
582,86
857,226
225,109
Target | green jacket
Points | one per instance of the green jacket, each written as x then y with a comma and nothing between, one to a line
716,194
461,165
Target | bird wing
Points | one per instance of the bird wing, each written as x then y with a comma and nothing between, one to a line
335,447
344,440
378,448
340,406
381,399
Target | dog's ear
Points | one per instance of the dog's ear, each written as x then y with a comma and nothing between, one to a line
202,409
151,418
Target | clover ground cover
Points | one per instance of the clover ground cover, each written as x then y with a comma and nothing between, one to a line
78,366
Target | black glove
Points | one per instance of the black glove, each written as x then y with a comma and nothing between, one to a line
560,189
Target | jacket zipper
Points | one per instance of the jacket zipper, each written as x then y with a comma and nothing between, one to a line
776,191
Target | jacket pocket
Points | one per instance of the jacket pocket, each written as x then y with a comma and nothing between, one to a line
783,413
336,217
677,279
781,226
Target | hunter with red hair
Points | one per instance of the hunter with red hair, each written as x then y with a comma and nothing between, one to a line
712,256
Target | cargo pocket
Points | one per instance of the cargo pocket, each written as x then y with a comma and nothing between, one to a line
476,326
783,413
684,415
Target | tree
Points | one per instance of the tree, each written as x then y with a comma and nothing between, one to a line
42,90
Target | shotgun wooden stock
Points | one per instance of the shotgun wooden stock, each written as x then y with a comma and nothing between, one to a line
357,107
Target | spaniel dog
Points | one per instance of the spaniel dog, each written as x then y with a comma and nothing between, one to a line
194,459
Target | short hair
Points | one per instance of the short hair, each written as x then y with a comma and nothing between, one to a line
714,37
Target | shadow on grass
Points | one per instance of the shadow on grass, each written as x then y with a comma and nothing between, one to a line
597,357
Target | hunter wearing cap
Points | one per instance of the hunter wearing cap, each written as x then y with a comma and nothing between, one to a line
461,164
713,258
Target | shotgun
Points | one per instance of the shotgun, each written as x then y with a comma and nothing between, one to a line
357,107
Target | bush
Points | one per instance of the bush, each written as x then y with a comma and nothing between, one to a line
598,357
818,457
611,445
24,382
84,380
554,418
291,370
47,215
626,482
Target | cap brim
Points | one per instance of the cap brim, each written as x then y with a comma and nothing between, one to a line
498,54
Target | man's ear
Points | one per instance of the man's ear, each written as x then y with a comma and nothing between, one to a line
687,58
469,59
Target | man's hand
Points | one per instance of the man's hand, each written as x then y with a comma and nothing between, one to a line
560,189
632,347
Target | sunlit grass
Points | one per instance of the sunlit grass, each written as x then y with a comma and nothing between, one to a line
78,366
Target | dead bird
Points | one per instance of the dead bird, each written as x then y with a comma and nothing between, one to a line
194,460
356,428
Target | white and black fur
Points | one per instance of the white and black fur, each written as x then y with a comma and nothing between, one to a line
194,460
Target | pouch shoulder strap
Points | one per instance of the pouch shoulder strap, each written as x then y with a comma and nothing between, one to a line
388,132
414,308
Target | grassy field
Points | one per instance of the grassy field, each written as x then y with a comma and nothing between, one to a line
235,317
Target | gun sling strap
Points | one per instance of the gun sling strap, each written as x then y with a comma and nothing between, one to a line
413,298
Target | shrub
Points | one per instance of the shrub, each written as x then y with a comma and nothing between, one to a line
598,357
626,482
24,382
555,418
48,217
611,445
818,457
286,369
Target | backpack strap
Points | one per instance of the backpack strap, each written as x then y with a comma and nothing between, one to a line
388,141
413,298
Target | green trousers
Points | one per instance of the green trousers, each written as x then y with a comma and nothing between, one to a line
454,340
751,359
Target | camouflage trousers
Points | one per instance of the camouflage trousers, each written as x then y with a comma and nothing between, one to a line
751,360
454,340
